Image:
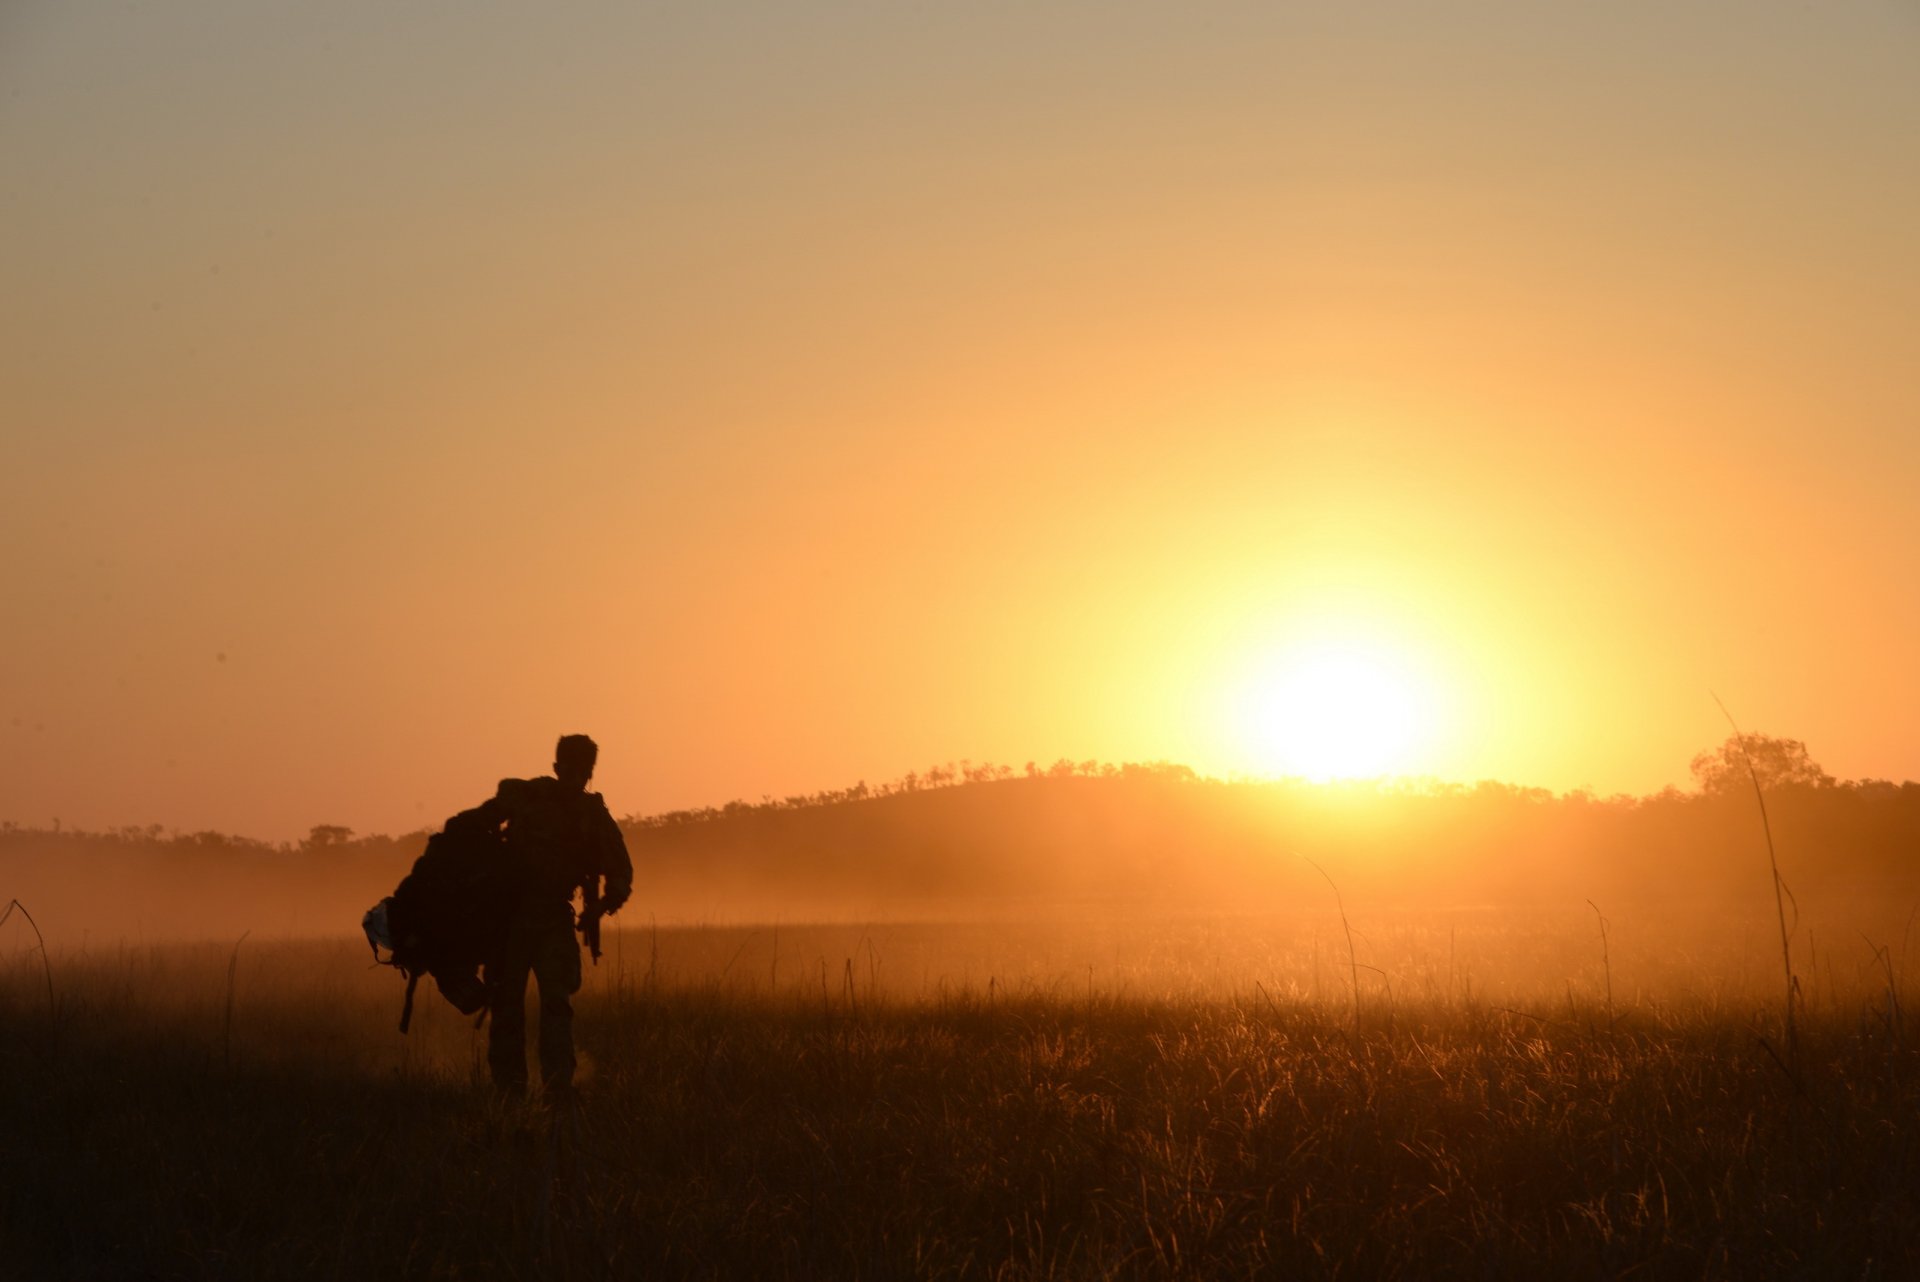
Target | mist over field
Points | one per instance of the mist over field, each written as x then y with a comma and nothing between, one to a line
1100,858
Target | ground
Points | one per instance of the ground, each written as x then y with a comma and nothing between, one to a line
204,1112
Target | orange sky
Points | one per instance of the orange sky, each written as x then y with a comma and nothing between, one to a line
793,397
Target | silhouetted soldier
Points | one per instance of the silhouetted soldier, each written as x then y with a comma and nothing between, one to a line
559,837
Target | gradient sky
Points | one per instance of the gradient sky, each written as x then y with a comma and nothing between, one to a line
790,394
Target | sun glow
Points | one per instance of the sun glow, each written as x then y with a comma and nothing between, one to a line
1336,711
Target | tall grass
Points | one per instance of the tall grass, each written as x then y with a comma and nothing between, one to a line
740,1120
1780,892
40,941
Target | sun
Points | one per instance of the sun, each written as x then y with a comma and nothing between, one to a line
1336,710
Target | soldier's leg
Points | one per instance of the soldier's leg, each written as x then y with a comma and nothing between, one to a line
556,966
507,1034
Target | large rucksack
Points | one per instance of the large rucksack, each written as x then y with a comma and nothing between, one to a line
448,917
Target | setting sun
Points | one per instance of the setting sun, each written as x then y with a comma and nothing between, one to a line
1336,711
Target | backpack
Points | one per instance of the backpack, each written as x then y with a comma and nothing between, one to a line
448,917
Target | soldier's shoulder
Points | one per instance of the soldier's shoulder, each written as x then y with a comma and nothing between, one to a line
597,804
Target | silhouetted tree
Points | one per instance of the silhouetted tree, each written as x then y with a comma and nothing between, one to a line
325,835
1776,762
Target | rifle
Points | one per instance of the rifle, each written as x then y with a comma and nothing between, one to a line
590,914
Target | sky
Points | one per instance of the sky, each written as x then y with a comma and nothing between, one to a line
794,394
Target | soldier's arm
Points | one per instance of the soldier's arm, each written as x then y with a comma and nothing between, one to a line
615,864
488,815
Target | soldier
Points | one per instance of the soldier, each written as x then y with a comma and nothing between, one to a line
558,837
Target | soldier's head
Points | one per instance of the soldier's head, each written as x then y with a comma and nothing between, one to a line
573,759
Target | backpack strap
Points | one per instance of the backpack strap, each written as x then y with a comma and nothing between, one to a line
406,1008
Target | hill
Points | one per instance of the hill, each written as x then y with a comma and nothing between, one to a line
988,842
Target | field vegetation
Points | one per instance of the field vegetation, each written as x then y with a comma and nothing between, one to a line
1472,1093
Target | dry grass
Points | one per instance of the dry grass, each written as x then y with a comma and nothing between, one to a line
1007,1102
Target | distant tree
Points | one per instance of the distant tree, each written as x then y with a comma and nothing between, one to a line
324,835
1777,763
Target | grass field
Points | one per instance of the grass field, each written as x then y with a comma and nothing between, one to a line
1018,1100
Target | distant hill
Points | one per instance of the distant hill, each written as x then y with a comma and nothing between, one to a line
1161,835
988,841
